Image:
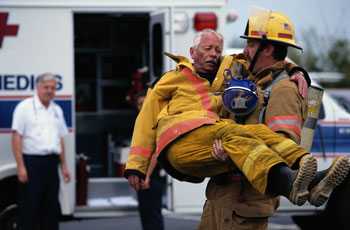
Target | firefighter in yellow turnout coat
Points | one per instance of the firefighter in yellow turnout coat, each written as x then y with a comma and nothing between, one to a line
179,122
232,203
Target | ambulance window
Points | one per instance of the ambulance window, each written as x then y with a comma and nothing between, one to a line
85,88
342,101
89,31
114,81
157,44
86,66
86,96
113,98
109,48
322,114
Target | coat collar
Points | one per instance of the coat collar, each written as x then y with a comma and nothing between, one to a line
38,104
183,62
268,74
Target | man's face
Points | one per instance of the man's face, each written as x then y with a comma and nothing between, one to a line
264,58
207,55
250,49
46,91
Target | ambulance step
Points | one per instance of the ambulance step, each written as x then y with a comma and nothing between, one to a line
108,197
94,212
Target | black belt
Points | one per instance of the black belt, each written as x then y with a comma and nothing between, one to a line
50,155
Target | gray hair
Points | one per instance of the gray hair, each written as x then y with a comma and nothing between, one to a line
45,77
197,39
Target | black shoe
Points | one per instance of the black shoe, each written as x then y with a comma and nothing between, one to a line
307,170
336,174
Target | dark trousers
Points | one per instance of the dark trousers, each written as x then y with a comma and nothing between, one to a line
150,205
38,198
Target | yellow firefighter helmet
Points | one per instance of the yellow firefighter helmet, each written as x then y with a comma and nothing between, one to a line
271,26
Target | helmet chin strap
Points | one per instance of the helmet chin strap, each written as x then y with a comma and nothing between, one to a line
262,45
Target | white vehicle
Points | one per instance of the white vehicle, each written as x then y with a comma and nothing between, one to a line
94,47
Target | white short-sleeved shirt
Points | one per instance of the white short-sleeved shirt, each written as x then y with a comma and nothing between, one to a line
41,128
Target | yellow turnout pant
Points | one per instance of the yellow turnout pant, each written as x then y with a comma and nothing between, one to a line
253,149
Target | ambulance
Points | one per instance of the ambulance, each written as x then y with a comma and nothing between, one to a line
96,49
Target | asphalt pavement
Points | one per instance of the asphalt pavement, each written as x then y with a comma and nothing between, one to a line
172,222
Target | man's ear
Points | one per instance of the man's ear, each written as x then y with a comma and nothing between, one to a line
192,52
269,49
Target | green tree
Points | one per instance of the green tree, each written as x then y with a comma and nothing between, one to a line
339,56
339,59
327,54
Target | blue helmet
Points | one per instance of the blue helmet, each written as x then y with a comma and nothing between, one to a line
240,97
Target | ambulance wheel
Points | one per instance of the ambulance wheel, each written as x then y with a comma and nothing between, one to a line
8,218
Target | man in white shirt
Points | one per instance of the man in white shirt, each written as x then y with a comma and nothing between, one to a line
37,141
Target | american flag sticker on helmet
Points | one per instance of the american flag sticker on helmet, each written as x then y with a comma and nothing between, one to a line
286,26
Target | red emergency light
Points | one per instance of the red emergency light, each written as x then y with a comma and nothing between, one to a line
205,20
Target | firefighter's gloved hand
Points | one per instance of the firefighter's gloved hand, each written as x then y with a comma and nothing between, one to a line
135,182
218,151
299,79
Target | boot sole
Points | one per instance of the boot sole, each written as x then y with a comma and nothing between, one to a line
336,175
306,173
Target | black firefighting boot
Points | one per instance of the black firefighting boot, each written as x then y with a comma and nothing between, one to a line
292,184
325,181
